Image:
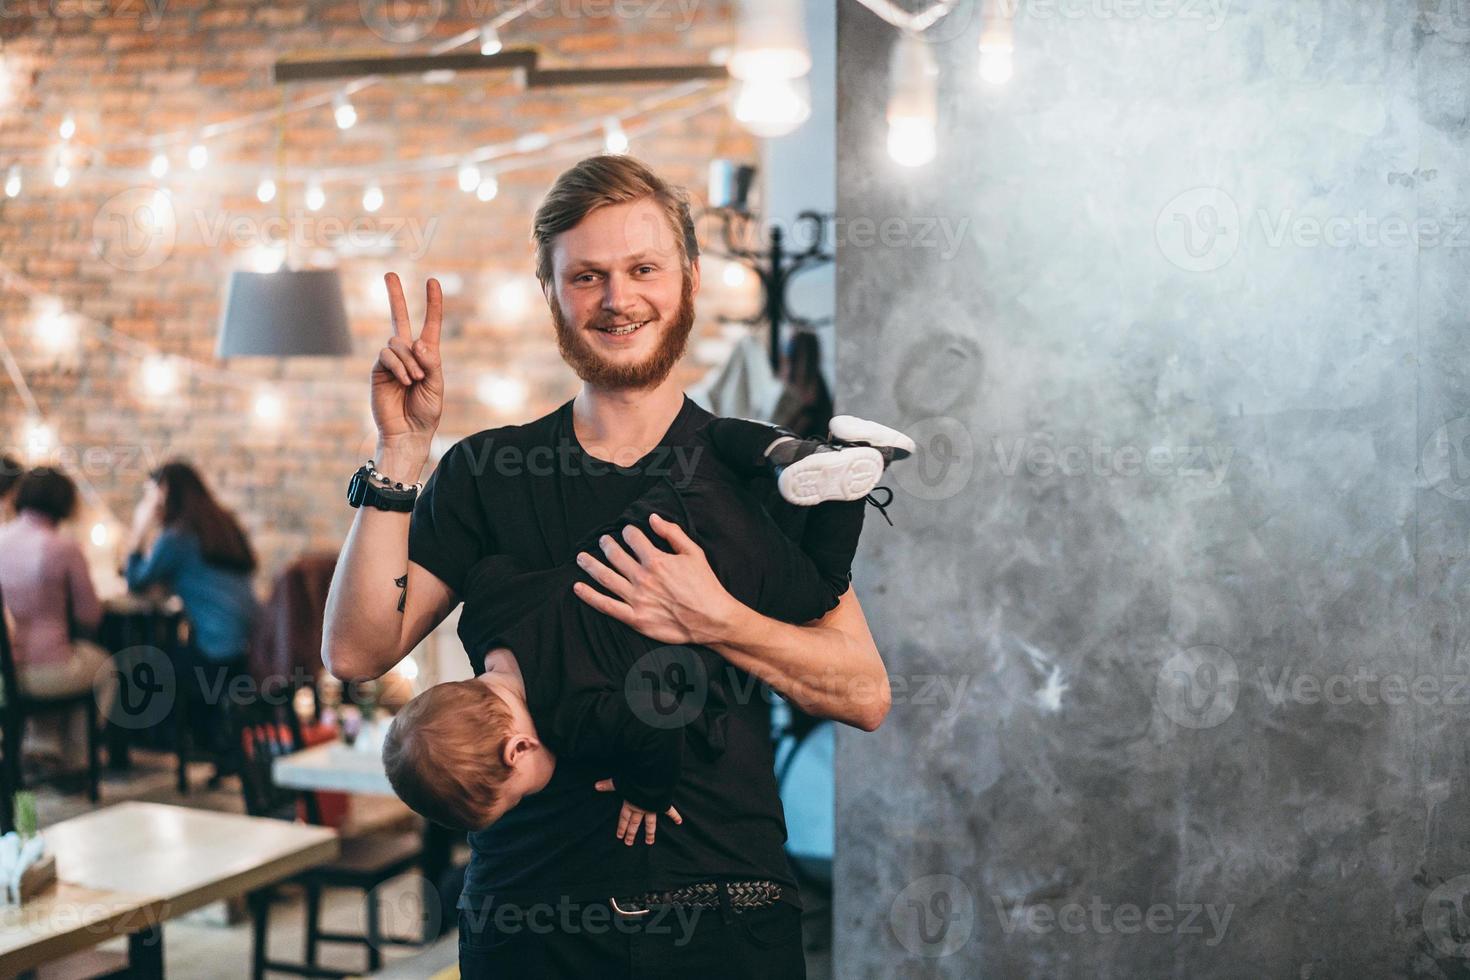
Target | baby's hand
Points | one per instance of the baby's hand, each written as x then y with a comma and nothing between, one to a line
633,816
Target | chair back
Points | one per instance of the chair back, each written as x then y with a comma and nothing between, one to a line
9,675
267,732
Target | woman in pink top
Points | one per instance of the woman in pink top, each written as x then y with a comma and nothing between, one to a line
48,593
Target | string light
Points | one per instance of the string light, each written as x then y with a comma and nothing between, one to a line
198,156
269,406
68,127
511,299
734,274
100,534
56,334
315,196
488,188
12,181
265,191
490,40
158,166
614,140
913,117
500,392
160,375
343,111
61,176
40,438
372,198
469,177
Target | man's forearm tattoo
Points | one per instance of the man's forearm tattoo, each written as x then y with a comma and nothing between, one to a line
402,582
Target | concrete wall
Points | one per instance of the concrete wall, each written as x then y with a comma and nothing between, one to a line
1174,604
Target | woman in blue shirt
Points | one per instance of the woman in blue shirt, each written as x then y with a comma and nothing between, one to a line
200,553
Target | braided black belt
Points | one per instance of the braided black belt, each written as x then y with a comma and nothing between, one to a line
706,895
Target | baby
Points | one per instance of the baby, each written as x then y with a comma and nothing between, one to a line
562,678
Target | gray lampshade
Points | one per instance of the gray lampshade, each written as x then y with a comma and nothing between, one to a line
289,313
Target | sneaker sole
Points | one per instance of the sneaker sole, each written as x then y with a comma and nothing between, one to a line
850,428
847,474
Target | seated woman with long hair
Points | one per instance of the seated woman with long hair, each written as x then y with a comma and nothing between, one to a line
200,553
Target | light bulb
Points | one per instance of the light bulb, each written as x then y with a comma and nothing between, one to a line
56,334
12,181
772,107
469,177
734,274
344,112
501,393
265,257
997,47
68,127
268,406
160,375
372,198
265,191
408,669
198,156
158,166
488,188
511,299
40,438
61,176
99,535
614,140
315,196
913,105
489,40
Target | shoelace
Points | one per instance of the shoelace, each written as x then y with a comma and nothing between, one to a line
884,505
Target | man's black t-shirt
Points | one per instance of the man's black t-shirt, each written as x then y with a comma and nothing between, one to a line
531,491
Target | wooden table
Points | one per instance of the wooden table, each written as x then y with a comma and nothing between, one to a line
338,768
126,869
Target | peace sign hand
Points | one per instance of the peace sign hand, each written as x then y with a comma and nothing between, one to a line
408,377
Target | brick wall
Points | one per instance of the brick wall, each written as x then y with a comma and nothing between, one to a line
126,70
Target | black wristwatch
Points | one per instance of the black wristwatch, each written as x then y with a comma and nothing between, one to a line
395,496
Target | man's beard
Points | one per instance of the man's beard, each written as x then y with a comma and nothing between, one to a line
598,372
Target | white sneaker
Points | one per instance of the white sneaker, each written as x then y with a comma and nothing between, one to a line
850,430
828,473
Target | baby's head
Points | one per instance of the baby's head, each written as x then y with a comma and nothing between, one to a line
463,753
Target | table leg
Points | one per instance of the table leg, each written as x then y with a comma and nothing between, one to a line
145,953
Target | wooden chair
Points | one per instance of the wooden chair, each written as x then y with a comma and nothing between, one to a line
18,707
366,862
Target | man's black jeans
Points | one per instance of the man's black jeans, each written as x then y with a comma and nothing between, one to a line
590,939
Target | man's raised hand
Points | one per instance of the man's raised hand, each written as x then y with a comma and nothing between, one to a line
408,376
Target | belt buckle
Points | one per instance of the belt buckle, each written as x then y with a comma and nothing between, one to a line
630,913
